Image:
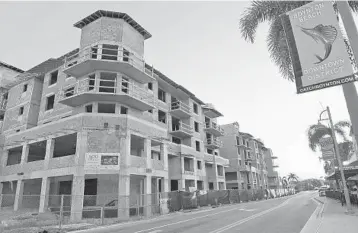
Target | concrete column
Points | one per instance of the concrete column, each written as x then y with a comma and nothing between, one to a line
182,180
25,153
164,155
50,145
148,152
182,164
164,196
195,170
148,195
4,158
45,189
19,194
123,196
78,189
216,182
1,196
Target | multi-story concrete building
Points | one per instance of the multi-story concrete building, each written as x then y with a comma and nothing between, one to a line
272,173
247,168
100,124
7,76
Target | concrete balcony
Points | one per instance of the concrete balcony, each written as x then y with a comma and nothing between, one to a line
222,161
214,129
213,143
86,91
107,58
210,111
245,168
209,158
180,109
189,172
181,130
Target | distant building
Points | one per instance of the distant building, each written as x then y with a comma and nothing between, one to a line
248,164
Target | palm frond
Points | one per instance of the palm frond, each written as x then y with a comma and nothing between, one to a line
258,12
278,49
315,133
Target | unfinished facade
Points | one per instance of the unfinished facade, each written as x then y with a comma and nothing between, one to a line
103,127
272,165
248,169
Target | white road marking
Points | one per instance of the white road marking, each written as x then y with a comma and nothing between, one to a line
222,229
208,215
248,209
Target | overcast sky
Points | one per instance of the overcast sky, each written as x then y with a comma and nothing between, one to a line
198,45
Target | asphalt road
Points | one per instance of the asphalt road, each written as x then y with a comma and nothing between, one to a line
285,215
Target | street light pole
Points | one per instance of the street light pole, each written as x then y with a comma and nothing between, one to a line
338,157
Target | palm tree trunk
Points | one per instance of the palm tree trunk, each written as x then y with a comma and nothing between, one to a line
349,89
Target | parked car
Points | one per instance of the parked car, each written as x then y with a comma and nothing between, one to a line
322,193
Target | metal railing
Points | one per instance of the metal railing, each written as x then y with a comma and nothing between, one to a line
103,86
107,52
182,127
215,126
179,105
214,142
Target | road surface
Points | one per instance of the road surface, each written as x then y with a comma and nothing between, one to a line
284,215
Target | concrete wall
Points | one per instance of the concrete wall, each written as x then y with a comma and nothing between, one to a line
7,75
59,109
112,31
29,100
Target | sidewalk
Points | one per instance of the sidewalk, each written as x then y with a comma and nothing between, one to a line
330,217
335,219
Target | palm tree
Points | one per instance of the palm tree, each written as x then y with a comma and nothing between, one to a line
317,131
292,177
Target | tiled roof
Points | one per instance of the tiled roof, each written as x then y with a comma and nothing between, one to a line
115,15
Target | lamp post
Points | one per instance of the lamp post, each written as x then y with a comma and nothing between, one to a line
338,157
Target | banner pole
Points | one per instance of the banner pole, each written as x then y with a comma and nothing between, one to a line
345,188
349,89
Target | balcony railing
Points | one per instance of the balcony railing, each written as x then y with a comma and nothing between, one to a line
214,142
87,90
214,129
108,57
181,130
180,109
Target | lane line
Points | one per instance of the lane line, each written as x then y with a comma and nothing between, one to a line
204,216
222,229
172,215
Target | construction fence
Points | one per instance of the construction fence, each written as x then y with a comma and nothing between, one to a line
112,208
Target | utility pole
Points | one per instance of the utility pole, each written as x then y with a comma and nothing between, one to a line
340,164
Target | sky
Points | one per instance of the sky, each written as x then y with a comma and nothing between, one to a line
199,46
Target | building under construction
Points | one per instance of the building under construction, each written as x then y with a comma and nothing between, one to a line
100,125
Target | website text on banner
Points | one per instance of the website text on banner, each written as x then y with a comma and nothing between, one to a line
318,47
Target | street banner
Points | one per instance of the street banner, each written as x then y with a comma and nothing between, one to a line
327,148
318,50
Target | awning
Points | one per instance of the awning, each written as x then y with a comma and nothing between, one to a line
353,178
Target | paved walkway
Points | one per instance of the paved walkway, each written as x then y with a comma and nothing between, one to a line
330,217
